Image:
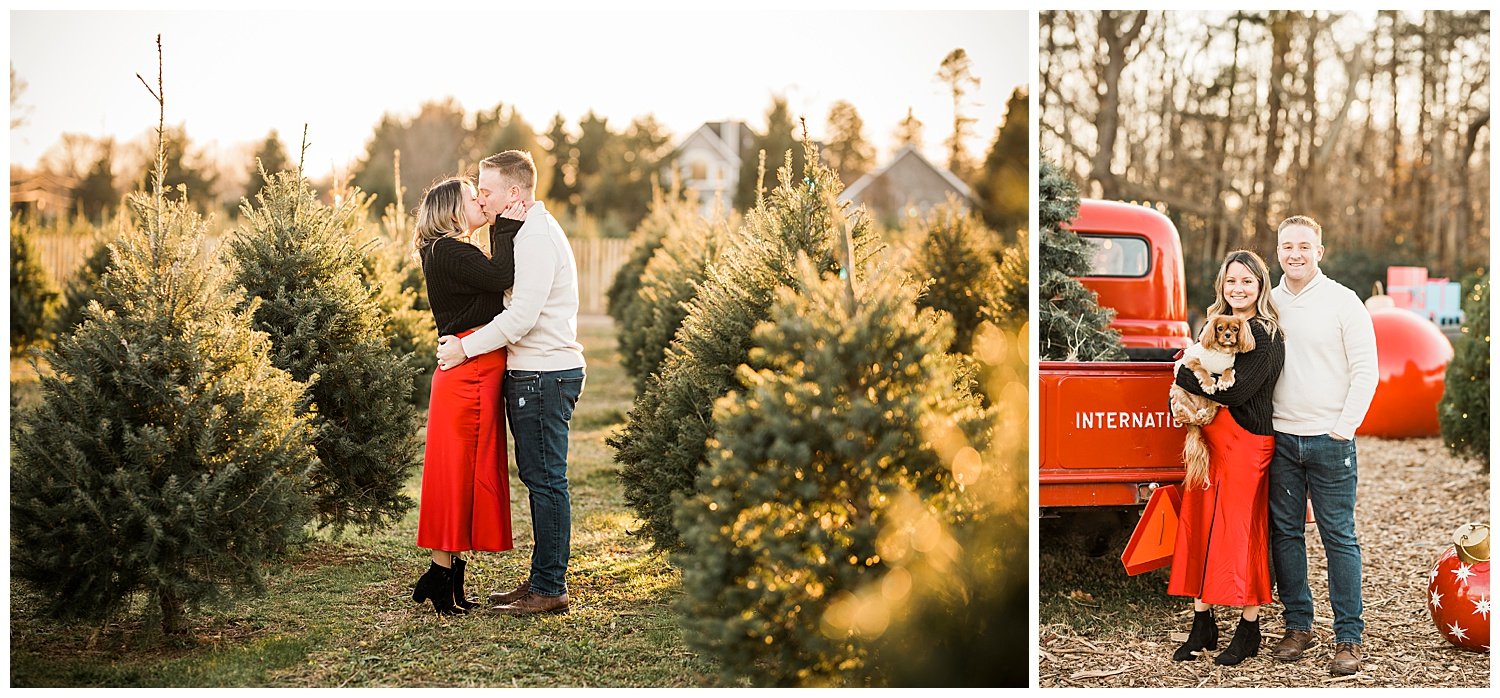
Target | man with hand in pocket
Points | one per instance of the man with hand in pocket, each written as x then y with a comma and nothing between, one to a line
1322,396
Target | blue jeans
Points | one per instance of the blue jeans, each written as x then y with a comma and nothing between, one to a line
539,405
1325,470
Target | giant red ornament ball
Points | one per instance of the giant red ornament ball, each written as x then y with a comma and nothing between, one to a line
1413,356
1458,590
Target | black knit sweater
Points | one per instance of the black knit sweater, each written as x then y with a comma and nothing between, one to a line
465,288
1255,374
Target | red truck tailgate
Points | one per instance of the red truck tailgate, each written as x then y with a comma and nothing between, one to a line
1106,433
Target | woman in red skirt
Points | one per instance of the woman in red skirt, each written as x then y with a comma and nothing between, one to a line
465,502
1221,556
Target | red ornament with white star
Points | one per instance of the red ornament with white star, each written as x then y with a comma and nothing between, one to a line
1458,590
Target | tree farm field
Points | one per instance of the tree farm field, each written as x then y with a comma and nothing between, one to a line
339,612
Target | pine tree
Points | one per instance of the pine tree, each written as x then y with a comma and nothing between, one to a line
670,280
847,152
1014,283
185,171
33,296
82,288
909,131
1002,187
958,603
957,72
560,147
836,430
393,273
95,196
778,142
294,255
168,455
1073,326
270,157
959,260
1464,413
624,289
662,447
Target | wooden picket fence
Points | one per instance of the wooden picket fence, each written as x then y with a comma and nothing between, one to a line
598,259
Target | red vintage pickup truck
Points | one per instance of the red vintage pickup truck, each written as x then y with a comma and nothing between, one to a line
1107,437
1137,271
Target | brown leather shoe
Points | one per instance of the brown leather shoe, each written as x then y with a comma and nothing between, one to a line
500,598
1293,644
532,604
1345,659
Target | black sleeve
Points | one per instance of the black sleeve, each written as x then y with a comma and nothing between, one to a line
467,265
1251,370
503,246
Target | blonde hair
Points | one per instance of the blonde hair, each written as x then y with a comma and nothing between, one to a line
516,166
1304,221
441,213
1265,308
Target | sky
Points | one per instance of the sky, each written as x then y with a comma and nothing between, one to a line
231,77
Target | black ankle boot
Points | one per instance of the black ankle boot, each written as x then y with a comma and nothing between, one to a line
459,598
436,584
1244,645
1204,636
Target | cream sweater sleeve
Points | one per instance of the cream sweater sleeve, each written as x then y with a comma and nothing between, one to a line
1364,366
535,266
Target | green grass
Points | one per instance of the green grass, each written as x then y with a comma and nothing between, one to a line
339,613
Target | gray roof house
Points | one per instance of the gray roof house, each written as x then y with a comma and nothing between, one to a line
908,185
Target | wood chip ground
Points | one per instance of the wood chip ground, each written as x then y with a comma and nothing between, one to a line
1412,495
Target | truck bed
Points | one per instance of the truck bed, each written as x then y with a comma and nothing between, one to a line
1107,435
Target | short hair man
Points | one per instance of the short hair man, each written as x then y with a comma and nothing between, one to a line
544,374
1320,400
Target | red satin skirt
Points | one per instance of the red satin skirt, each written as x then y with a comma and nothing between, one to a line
465,502
1223,536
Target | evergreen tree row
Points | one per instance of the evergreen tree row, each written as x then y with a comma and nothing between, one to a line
801,420
177,443
297,258
168,454
662,447
832,437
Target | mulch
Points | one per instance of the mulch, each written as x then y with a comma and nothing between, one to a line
1412,495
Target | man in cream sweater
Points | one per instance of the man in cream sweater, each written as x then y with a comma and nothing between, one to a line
1321,398
543,378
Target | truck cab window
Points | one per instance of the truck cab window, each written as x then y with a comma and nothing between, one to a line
1118,255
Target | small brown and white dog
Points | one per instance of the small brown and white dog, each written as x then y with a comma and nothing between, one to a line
1212,362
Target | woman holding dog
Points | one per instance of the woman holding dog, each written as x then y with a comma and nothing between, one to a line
1221,556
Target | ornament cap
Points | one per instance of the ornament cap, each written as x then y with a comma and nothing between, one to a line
1473,542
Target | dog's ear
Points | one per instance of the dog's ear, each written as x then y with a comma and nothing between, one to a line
1247,338
1206,335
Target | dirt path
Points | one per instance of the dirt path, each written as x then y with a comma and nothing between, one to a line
1412,495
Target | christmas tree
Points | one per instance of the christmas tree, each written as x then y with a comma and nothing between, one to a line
624,291
33,297
295,257
82,288
1014,281
957,593
168,455
1464,413
670,280
843,426
959,260
662,447
1073,326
